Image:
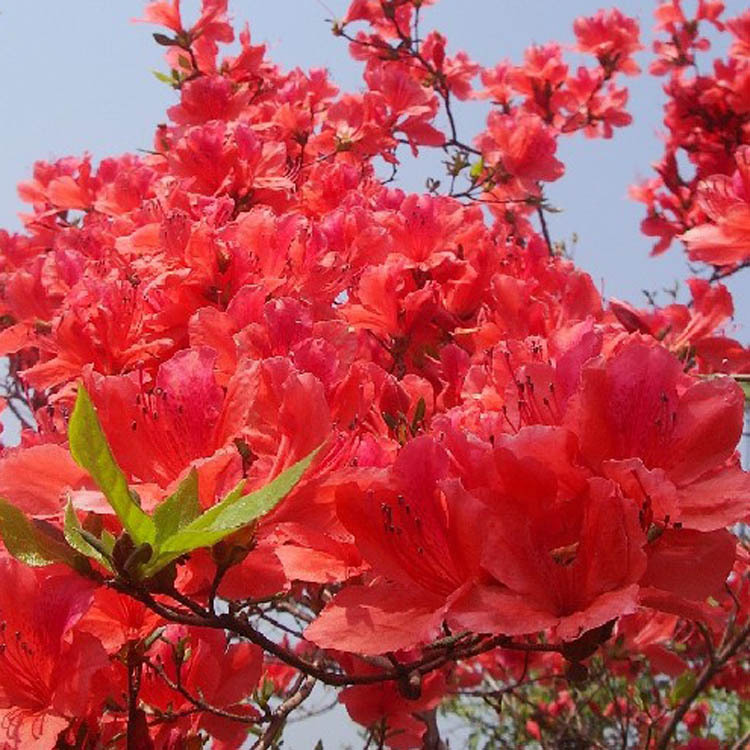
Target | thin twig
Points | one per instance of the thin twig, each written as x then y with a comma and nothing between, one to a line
200,704
709,672
545,230
300,693
134,687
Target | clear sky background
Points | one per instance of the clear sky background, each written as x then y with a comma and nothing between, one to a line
76,76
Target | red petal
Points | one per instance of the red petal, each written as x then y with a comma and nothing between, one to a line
35,479
494,609
707,429
690,564
716,500
604,608
376,619
22,729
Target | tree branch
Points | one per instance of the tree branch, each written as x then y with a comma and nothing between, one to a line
709,672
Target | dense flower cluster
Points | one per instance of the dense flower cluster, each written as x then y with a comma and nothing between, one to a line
707,125
511,474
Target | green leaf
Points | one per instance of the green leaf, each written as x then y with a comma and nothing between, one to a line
35,543
236,493
163,77
232,513
74,535
108,541
90,450
179,509
476,168
176,528
683,686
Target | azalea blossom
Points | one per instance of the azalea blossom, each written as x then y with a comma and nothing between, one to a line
287,426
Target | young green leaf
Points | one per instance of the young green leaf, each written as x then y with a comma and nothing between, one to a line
163,77
232,513
32,542
179,509
90,449
108,542
476,169
682,687
74,535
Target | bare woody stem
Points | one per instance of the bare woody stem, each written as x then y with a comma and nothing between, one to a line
134,686
712,668
724,272
300,693
452,648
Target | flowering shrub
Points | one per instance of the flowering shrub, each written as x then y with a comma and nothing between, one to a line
286,425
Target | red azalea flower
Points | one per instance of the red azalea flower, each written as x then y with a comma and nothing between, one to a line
46,663
639,405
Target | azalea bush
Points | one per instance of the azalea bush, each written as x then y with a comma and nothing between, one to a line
285,428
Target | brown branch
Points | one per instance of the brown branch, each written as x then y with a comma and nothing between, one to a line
723,272
545,230
300,694
198,703
708,673
431,739
198,616
743,742
134,686
17,414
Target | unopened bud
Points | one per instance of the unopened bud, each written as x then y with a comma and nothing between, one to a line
410,685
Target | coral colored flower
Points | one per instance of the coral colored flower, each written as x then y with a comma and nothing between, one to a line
105,324
569,549
692,331
115,619
164,13
186,418
529,572
223,675
612,38
415,535
740,28
522,145
726,202
639,405
46,663
37,479
370,704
